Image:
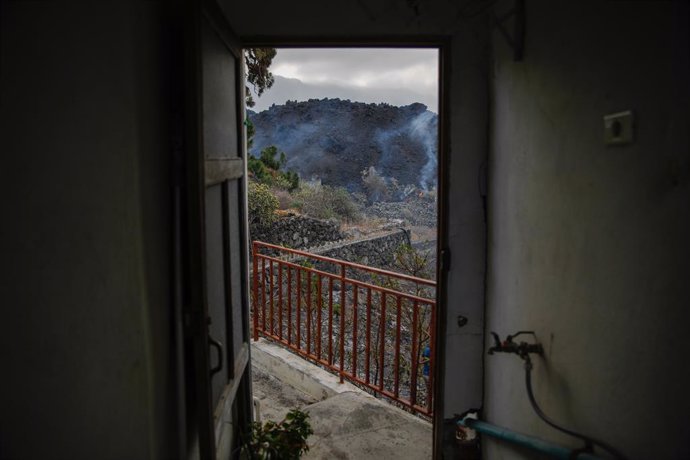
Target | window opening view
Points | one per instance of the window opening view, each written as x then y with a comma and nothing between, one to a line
342,192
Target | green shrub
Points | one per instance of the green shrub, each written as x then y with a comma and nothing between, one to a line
262,205
267,169
292,179
286,440
257,168
268,157
325,202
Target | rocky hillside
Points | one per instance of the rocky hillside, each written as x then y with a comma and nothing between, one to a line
335,140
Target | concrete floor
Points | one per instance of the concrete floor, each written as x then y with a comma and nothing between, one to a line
275,397
350,426
348,423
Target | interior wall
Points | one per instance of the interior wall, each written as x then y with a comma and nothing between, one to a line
465,28
588,244
85,287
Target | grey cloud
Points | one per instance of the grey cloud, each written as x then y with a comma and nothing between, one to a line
334,61
396,76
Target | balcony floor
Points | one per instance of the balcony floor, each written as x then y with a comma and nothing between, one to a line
349,424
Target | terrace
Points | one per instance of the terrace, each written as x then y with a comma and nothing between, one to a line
361,336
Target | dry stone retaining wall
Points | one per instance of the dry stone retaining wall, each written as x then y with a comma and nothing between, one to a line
375,251
325,238
299,232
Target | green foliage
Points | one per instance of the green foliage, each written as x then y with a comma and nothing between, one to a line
262,205
257,168
267,169
286,440
292,179
268,157
258,61
326,202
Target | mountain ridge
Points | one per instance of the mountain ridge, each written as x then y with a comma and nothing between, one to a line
334,140
291,88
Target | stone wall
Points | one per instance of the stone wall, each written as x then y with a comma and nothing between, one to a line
325,238
299,232
374,251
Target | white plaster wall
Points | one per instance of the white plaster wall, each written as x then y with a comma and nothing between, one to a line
588,245
468,134
85,329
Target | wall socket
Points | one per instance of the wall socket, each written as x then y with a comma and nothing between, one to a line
618,128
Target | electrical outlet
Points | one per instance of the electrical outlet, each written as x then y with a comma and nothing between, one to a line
618,128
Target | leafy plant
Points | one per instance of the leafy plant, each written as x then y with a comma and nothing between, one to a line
292,178
268,157
262,205
257,62
267,169
325,202
286,440
257,168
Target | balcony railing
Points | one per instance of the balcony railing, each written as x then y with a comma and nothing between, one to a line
373,327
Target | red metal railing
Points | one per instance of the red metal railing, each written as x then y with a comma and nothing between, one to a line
371,326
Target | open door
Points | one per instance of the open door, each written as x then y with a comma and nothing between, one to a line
216,332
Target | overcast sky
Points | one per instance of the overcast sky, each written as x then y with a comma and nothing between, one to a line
396,76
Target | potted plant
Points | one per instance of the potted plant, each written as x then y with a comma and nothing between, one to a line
286,440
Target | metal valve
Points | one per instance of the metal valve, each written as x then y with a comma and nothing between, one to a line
522,349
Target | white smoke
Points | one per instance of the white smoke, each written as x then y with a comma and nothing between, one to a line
424,130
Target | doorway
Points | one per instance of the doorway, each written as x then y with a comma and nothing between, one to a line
301,128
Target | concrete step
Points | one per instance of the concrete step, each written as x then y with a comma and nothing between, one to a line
348,423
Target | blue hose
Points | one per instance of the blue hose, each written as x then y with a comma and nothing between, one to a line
524,440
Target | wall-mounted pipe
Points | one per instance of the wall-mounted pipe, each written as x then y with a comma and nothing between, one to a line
524,440
523,350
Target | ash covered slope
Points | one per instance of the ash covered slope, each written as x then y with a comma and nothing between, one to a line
335,140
